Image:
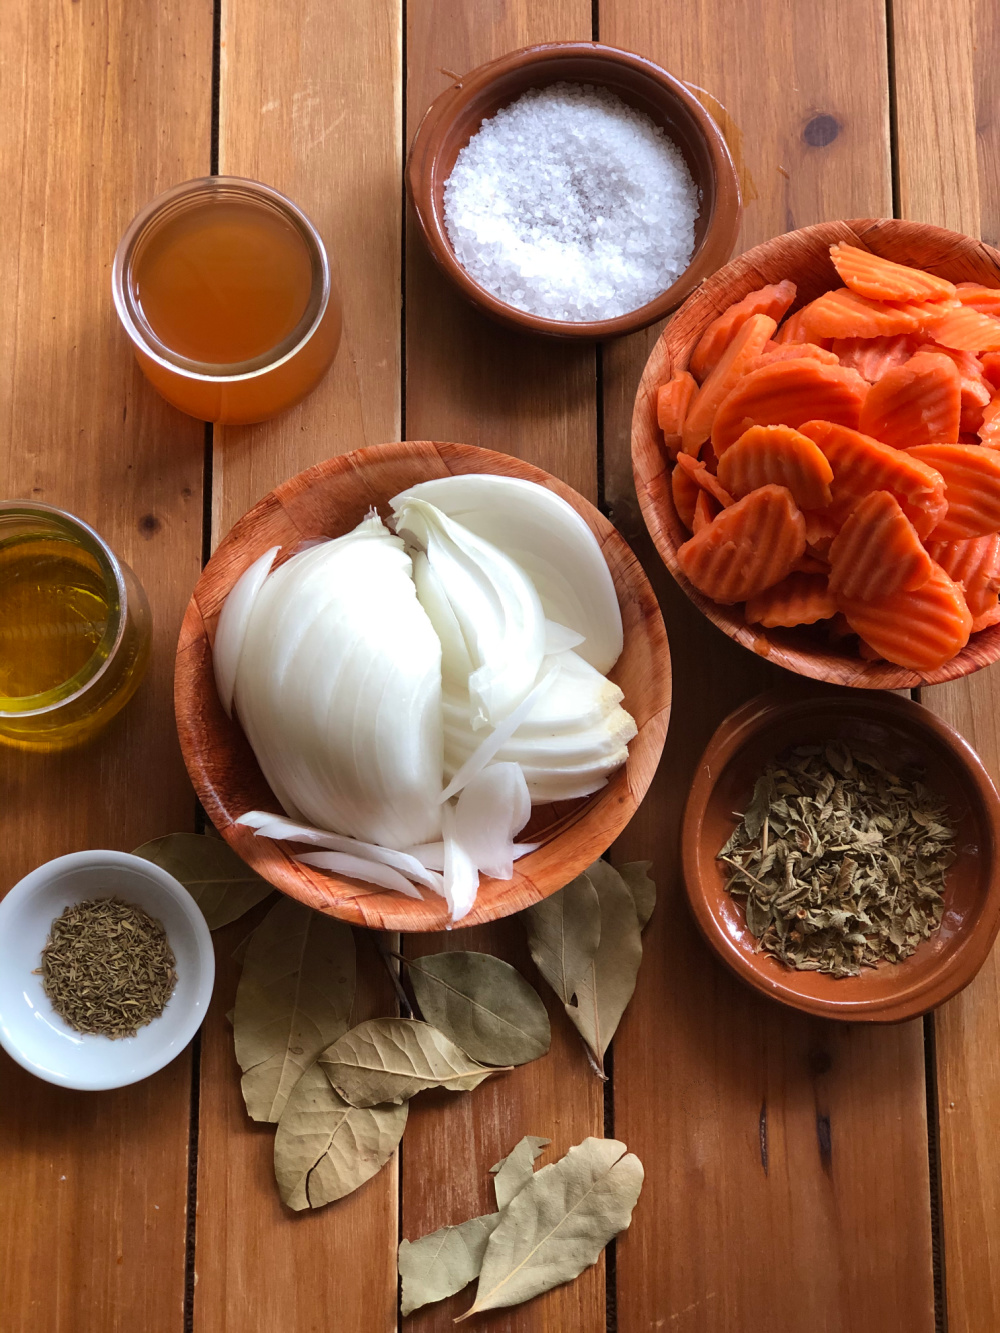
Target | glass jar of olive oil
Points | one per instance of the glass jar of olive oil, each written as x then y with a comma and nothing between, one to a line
74,629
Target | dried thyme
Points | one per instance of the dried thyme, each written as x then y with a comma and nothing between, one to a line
108,967
841,861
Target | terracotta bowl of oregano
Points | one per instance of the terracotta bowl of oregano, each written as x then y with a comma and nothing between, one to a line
840,854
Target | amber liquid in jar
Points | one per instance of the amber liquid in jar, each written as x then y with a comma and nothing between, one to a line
224,288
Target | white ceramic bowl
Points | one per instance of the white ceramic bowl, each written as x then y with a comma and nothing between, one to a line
30,1029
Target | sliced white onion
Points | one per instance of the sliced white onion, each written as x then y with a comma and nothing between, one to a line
285,830
461,878
488,747
232,627
493,807
549,540
429,854
370,872
559,639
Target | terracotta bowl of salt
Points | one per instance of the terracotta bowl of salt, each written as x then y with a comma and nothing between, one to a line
329,500
457,114
903,736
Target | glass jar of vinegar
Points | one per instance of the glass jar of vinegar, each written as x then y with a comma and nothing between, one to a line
75,629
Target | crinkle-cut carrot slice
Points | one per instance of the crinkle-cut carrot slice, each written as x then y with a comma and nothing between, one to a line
843,314
748,548
975,564
984,299
780,454
971,488
921,629
883,280
988,618
990,362
705,509
799,599
748,343
989,430
866,651
772,300
705,480
820,531
672,402
810,564
786,394
976,392
793,331
918,403
872,357
861,464
968,330
685,491
793,352
877,551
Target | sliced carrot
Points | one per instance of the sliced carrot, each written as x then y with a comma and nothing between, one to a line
877,552
990,362
861,464
685,491
975,564
843,314
672,402
882,280
918,403
799,599
988,618
971,488
820,532
976,393
968,330
872,357
780,454
989,430
793,331
705,509
772,300
793,352
984,299
748,548
786,394
921,629
746,346
705,480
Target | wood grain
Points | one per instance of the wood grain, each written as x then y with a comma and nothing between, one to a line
947,133
786,1158
101,107
310,102
467,379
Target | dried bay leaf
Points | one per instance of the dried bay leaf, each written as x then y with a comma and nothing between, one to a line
564,931
559,1223
483,1004
294,998
392,1059
512,1173
442,1263
643,890
222,885
325,1149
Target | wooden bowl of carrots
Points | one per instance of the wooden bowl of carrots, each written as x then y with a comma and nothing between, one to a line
816,449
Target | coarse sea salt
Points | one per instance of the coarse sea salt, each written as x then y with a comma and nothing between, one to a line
571,205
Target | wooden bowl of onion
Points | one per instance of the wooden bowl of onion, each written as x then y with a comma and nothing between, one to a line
815,448
420,684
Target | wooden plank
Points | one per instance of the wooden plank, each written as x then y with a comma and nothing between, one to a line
469,380
786,1159
946,89
101,107
310,102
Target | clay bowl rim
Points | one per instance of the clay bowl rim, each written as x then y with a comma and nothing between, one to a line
965,951
791,648
425,164
218,757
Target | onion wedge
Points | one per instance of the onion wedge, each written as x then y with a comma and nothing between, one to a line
461,878
231,630
493,807
355,867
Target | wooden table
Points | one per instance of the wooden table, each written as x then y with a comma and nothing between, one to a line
800,1176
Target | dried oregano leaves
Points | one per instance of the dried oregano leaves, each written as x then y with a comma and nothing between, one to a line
586,940
841,861
222,885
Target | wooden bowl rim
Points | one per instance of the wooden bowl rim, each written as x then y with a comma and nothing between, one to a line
610,809
971,946
984,646
422,169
